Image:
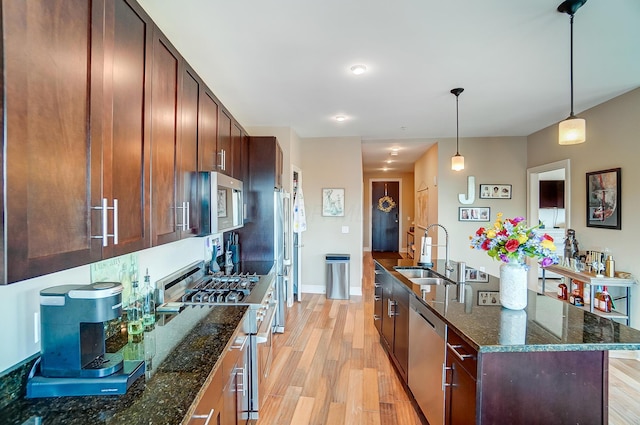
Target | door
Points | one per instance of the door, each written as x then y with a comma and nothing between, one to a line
385,223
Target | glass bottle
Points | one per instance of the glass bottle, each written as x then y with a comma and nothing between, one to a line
148,303
135,327
606,304
562,291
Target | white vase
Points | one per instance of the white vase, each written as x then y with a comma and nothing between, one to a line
513,327
513,286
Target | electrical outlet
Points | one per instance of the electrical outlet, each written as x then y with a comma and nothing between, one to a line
36,327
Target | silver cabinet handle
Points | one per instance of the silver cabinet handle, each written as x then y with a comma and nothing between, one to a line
457,353
390,304
240,371
444,376
376,317
377,271
104,208
207,417
241,345
223,159
185,217
377,297
188,217
377,285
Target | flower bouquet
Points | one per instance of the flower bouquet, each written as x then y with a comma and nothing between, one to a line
510,240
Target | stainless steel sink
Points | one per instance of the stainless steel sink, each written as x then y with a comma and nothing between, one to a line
411,273
429,281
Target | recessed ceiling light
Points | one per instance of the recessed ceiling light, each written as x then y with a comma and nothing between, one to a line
340,118
394,152
358,69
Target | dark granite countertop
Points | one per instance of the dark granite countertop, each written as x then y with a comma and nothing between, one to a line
185,349
546,324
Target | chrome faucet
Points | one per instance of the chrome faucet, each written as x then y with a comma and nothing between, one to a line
447,266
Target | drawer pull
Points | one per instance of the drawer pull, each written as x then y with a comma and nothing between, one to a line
207,417
462,357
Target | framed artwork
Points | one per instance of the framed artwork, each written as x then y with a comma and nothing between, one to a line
332,202
222,203
474,275
474,213
603,199
495,191
489,298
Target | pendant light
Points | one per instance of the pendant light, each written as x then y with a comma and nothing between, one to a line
457,161
572,130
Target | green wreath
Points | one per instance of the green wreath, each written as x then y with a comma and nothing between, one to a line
386,204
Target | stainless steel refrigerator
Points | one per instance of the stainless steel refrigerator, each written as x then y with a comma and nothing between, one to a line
282,253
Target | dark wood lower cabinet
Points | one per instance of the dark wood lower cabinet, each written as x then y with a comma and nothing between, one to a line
559,387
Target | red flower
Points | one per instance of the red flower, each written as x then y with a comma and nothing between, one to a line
512,245
547,237
503,232
480,231
485,245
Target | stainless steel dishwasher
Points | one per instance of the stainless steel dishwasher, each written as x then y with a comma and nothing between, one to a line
426,360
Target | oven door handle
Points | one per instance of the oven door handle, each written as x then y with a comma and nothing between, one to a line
266,325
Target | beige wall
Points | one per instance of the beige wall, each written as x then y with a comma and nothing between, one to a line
491,160
331,163
613,132
406,205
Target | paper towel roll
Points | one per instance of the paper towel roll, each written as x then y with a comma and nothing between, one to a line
425,254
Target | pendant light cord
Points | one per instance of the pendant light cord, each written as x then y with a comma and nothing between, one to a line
571,63
457,129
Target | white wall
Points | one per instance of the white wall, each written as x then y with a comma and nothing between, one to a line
332,163
19,301
613,129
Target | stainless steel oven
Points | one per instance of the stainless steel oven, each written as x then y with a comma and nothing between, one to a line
193,286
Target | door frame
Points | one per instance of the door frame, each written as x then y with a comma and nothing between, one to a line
401,247
533,195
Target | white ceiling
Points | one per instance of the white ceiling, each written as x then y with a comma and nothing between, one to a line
286,63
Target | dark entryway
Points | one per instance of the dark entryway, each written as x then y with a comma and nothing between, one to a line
385,224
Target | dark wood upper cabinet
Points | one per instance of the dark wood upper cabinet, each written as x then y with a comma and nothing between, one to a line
188,208
224,148
236,151
165,80
104,128
127,111
208,132
53,64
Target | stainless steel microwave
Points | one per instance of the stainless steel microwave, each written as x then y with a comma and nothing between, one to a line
222,203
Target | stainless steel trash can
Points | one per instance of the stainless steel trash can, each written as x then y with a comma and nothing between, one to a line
337,272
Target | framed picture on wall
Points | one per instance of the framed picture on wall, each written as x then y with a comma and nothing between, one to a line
603,199
495,191
332,202
474,213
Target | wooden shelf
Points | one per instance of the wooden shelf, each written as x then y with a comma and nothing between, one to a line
592,280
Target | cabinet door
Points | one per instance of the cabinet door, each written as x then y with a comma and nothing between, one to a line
210,407
126,154
401,332
208,132
388,311
52,135
164,140
188,211
225,158
236,151
460,396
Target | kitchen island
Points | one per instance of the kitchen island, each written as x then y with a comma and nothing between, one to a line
545,364
187,351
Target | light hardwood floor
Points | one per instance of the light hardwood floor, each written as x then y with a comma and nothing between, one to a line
329,368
